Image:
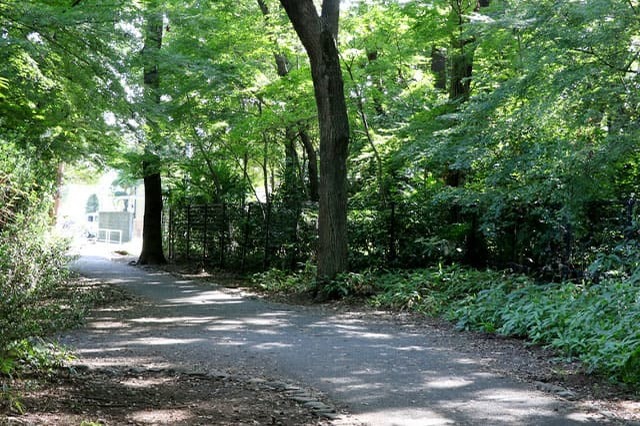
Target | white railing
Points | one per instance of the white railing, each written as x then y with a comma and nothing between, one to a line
107,235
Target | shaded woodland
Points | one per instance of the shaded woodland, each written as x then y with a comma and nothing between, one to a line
474,159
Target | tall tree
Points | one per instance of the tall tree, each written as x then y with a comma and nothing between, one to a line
152,252
318,33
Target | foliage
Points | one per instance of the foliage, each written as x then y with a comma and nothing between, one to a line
595,323
277,281
93,204
35,298
33,276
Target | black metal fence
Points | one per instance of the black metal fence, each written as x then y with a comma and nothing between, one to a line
254,237
258,236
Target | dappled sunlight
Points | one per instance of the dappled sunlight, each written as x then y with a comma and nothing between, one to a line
100,361
210,297
467,361
119,281
158,341
146,382
273,345
275,314
366,372
366,335
264,322
499,405
267,332
411,349
407,417
160,417
448,383
100,350
226,326
107,324
231,343
505,395
579,418
174,320
181,283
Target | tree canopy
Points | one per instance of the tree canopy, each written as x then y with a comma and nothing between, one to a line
492,132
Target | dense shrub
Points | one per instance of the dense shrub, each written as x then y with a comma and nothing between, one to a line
278,281
429,291
596,323
34,297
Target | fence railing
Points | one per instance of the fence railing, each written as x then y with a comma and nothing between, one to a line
108,233
259,235
252,237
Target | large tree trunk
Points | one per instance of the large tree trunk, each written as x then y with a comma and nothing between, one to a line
152,253
318,34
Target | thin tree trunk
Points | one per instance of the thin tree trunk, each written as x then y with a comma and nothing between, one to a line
367,131
290,172
439,68
312,164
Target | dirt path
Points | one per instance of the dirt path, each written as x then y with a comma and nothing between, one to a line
378,371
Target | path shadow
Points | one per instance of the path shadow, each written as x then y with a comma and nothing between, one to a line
385,374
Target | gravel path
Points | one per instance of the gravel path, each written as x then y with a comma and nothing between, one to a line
378,371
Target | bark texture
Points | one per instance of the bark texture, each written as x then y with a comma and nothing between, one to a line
318,34
312,164
152,253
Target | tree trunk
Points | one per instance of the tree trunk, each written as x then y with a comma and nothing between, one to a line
282,68
439,68
152,253
461,71
318,35
462,60
312,165
290,182
459,92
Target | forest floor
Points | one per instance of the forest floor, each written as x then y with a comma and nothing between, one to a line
163,374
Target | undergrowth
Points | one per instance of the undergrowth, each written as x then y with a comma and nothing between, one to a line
36,300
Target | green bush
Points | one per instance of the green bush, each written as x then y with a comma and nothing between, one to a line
597,324
35,299
430,291
277,281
